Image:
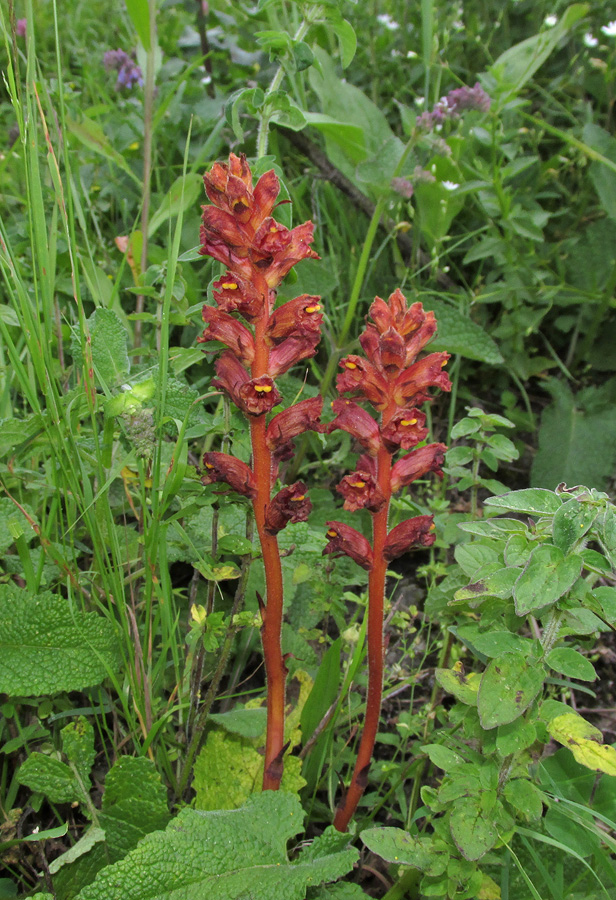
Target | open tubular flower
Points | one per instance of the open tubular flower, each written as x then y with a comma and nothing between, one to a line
392,379
238,230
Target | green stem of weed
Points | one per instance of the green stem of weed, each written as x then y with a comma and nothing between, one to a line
263,133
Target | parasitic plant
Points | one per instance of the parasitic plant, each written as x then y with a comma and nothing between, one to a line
394,382
238,230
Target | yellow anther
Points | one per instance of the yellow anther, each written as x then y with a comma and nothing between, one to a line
406,422
332,534
297,499
263,388
350,365
273,229
444,363
432,527
229,286
312,309
209,466
358,484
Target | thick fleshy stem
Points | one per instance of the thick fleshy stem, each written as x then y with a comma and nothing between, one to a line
376,600
271,613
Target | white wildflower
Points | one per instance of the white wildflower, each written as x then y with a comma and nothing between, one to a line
550,21
609,29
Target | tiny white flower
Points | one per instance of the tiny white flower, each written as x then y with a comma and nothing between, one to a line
411,54
609,29
550,21
590,40
419,101
458,25
450,185
386,20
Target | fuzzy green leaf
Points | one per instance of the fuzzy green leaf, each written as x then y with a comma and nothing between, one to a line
547,576
534,501
459,334
473,831
508,686
109,347
397,846
571,523
569,662
221,855
51,777
47,645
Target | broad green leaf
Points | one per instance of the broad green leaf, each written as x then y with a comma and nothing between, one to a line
547,576
508,686
229,769
443,757
221,855
495,528
534,501
606,597
472,829
397,846
494,643
569,662
182,194
109,347
437,206
91,135
47,645
342,890
347,41
463,687
517,550
51,777
248,723
497,584
517,65
524,797
571,522
584,741
78,746
473,556
577,436
13,524
602,177
139,13
515,736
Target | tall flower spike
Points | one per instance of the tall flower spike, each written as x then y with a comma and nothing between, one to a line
393,381
238,230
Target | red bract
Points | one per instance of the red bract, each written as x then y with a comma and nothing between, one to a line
391,379
289,505
222,467
239,231
417,532
346,541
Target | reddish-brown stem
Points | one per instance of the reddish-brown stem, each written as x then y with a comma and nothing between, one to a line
275,669
376,597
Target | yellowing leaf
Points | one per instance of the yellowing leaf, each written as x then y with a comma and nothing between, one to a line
584,741
489,889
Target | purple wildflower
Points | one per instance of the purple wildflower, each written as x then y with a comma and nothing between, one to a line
129,73
21,26
449,107
403,187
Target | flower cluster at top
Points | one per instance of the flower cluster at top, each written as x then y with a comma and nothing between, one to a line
239,231
395,383
455,102
129,73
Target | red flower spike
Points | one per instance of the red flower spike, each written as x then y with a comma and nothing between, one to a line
404,430
357,422
288,424
412,383
293,350
416,464
233,293
231,375
360,491
417,532
220,326
222,467
229,187
300,315
387,350
289,505
346,541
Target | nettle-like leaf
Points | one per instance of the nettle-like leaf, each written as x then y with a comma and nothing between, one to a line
222,855
109,344
134,804
52,777
48,645
428,854
508,686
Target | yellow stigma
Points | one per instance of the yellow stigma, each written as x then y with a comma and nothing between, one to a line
332,534
297,499
263,388
229,286
444,363
357,484
432,527
350,365
406,422
209,466
312,309
273,229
